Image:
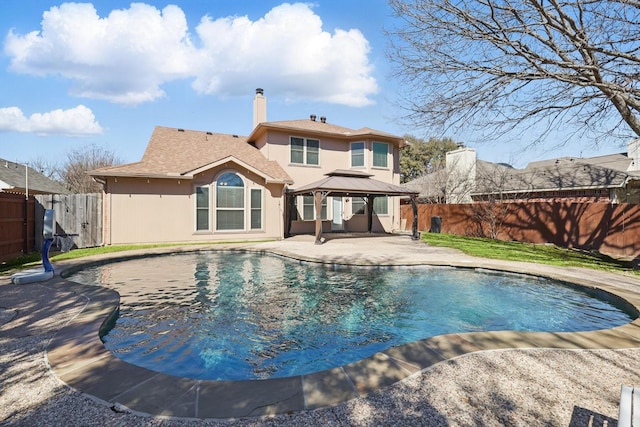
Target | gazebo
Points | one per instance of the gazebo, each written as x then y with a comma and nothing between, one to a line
345,183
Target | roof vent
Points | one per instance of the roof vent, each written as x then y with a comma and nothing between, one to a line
180,130
209,133
235,136
323,119
312,117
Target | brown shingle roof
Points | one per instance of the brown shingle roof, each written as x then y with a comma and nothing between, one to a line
175,152
320,128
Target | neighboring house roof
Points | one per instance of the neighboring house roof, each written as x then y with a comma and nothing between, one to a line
567,173
346,183
323,128
15,178
433,186
180,153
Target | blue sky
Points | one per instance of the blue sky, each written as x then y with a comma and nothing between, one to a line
107,72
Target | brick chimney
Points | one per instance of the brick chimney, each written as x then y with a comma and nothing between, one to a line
259,108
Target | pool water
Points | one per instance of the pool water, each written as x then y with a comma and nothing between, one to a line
236,316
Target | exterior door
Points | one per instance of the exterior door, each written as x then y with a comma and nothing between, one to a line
337,223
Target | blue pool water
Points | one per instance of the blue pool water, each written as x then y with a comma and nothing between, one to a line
235,316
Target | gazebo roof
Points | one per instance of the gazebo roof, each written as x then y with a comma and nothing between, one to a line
350,183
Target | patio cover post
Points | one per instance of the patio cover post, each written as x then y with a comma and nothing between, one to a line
414,228
289,202
369,212
318,197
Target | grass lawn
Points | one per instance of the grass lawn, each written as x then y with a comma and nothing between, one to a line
527,252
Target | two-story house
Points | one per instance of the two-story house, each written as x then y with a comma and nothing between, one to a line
287,177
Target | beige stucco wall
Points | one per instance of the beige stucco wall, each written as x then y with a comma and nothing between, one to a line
141,210
336,154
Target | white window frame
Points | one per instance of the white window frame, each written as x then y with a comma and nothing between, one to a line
364,155
300,205
373,155
386,199
354,211
366,206
230,209
253,209
305,151
197,208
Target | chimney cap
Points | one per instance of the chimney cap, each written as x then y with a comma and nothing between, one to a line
312,117
323,119
259,91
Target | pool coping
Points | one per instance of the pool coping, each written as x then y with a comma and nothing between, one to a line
79,359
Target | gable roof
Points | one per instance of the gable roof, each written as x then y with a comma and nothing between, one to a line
180,153
15,178
323,128
346,183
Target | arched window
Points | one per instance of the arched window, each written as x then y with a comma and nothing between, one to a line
230,202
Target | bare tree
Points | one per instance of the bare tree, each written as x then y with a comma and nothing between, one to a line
492,205
505,65
81,160
46,167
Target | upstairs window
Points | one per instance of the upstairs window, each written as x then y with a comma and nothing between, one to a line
357,154
380,154
305,151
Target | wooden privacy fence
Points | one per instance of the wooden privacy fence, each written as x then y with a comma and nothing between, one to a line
611,229
16,225
76,215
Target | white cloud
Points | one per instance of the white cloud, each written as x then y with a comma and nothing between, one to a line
288,52
129,55
123,58
78,121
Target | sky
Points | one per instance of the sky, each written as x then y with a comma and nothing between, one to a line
105,73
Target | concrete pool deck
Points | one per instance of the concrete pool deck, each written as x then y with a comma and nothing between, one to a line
78,358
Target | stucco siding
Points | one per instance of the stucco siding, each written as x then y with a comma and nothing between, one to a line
163,210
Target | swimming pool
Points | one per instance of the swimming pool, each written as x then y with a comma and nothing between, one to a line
234,315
